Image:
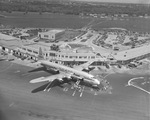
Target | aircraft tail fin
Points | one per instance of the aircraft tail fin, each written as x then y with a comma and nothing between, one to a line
41,55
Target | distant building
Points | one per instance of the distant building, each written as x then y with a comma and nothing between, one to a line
51,35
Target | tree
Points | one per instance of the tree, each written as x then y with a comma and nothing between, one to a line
54,47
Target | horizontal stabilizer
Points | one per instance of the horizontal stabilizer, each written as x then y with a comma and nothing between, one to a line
37,80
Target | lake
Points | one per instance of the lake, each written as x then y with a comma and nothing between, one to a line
50,20
46,20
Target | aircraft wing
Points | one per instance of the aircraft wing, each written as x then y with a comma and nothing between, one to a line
51,78
83,66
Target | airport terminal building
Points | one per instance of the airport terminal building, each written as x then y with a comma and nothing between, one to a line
138,53
32,51
48,54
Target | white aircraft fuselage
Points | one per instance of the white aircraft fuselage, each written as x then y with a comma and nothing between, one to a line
78,73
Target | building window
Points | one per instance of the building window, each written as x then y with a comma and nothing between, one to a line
46,36
66,56
53,54
35,52
74,56
93,57
29,50
62,56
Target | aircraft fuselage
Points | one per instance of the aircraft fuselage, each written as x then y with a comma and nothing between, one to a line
75,73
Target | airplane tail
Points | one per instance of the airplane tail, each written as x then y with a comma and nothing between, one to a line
41,55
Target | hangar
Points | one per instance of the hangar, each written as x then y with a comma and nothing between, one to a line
51,35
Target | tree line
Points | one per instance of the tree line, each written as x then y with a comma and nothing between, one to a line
73,8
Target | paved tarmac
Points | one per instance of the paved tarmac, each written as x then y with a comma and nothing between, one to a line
18,103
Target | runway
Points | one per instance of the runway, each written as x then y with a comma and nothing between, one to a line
17,101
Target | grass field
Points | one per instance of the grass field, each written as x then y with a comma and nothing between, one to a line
133,24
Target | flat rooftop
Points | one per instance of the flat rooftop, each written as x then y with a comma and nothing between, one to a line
12,44
54,31
132,53
36,46
6,37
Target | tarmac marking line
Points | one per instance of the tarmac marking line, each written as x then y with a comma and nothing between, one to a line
131,84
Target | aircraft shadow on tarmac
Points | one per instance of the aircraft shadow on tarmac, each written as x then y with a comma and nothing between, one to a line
63,84
43,69
41,88
56,84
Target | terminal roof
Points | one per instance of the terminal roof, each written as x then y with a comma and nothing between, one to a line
132,53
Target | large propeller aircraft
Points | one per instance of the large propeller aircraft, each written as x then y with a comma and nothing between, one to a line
68,75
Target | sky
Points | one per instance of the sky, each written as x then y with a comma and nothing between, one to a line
121,1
